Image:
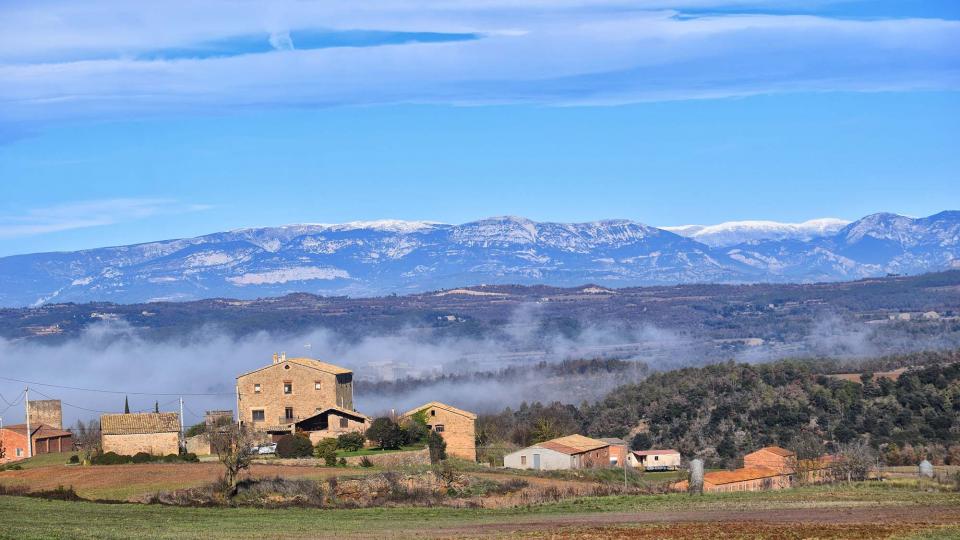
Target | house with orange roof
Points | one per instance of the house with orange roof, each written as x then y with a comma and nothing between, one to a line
46,439
570,452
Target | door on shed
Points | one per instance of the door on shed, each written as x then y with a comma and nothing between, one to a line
536,462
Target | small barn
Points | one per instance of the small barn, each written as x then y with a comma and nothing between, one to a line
456,426
570,452
154,433
46,440
329,422
655,460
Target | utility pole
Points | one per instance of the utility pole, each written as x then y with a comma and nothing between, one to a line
26,393
182,441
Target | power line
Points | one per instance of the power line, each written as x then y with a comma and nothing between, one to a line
72,405
15,402
119,391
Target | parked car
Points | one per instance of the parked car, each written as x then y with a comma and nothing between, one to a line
264,449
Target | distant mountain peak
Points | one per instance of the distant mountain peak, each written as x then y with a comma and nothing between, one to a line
738,232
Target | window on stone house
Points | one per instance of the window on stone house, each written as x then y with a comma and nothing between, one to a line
288,413
258,415
316,385
287,387
344,423
438,428
256,389
433,412
19,452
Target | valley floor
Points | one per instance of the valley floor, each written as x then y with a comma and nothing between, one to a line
897,510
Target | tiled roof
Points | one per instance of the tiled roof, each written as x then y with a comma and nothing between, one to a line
137,423
557,447
579,443
341,410
40,431
654,452
782,452
438,405
739,475
305,362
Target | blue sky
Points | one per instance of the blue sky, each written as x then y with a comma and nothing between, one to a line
121,123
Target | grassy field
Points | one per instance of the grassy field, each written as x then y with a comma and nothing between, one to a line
876,511
45,460
376,451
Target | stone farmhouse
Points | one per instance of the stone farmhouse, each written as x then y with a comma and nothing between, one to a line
127,434
46,411
570,452
456,426
655,460
298,394
46,440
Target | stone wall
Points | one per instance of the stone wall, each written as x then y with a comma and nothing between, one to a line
198,444
304,399
158,444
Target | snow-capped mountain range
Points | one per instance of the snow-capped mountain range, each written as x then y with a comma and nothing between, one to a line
387,256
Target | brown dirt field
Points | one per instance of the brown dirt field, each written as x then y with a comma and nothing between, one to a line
862,522
130,481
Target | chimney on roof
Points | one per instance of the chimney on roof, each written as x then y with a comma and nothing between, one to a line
276,358
283,357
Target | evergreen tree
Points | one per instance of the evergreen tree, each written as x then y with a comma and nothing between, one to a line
126,405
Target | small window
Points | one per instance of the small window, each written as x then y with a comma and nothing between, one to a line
288,388
288,413
286,366
523,460
438,428
344,423
19,452
258,416
256,389
316,385
656,458
433,412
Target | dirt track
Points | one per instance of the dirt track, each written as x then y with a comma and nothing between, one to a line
863,522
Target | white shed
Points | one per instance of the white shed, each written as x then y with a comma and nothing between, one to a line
538,458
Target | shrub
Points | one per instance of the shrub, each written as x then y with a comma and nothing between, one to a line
294,446
110,458
326,450
342,462
74,459
365,462
196,429
190,457
415,432
350,442
141,457
386,434
438,447
171,458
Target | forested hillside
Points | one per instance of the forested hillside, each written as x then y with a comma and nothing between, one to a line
721,411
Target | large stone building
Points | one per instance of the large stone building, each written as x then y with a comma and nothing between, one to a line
768,468
276,397
46,440
456,426
570,452
154,433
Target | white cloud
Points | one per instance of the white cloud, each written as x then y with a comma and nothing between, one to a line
82,60
84,214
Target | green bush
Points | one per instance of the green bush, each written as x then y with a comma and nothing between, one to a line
141,457
326,450
74,459
171,458
438,447
386,434
350,442
294,446
342,462
110,458
365,462
190,457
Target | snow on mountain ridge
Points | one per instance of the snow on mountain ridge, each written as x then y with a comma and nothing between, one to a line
737,232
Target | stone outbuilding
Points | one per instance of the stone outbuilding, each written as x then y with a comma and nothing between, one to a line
154,433
456,426
327,423
655,460
618,450
570,452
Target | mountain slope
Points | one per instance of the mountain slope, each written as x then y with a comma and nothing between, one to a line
381,257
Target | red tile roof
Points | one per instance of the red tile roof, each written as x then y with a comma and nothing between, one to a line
782,452
739,475
40,431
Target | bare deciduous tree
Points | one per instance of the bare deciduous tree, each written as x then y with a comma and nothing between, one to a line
232,444
854,461
86,437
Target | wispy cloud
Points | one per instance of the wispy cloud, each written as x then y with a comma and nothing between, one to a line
84,214
103,59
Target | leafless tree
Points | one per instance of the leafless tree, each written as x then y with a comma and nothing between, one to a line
86,437
807,449
232,444
854,461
